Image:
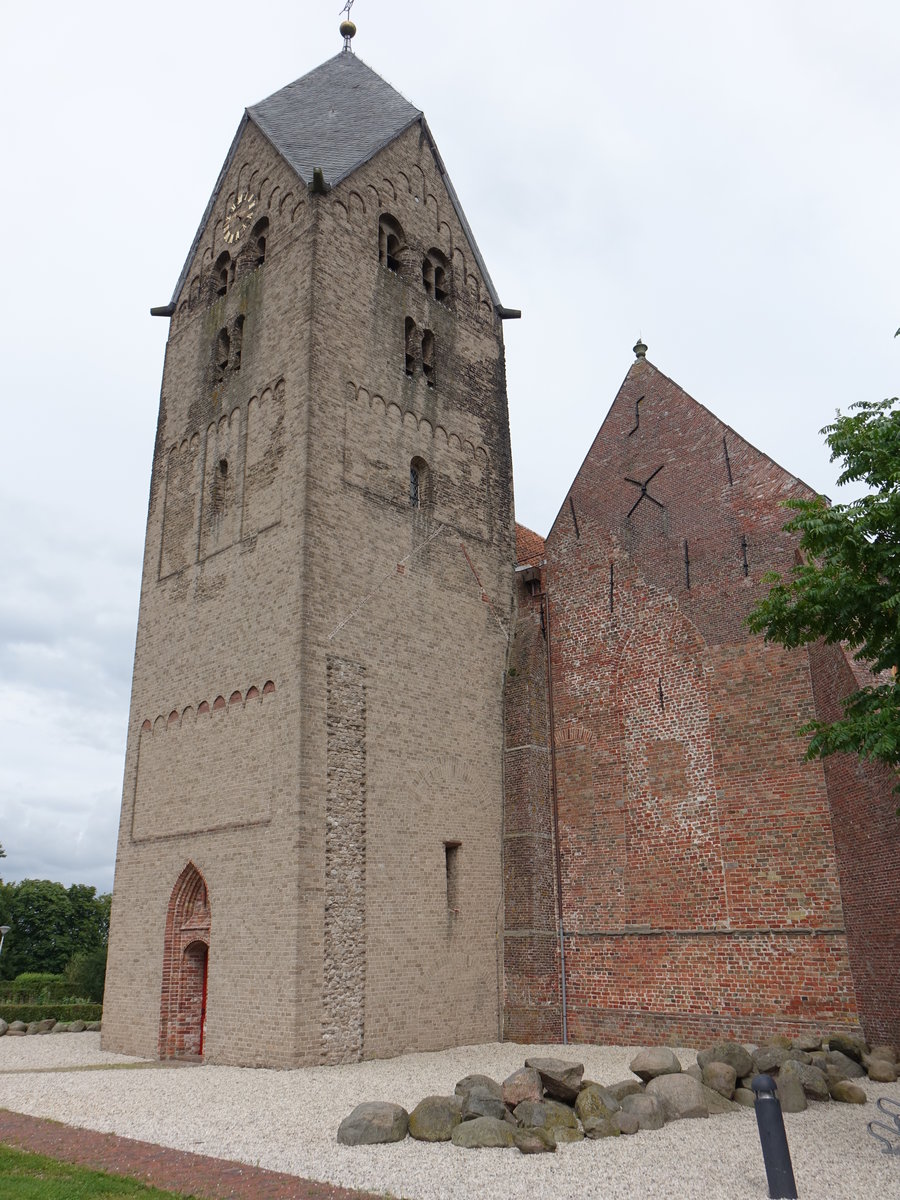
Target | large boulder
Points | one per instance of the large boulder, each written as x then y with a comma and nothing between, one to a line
595,1101
769,1059
680,1096
93,1027
884,1052
481,1102
43,1026
720,1077
812,1080
847,1093
374,1122
3,1027
17,1027
483,1133
468,1082
600,1127
880,1070
524,1084
561,1078
626,1122
534,1141
807,1041
790,1093
732,1053
853,1047
625,1087
566,1134
848,1067
61,1027
545,1114
77,1026
648,1110
434,1118
717,1103
745,1097
655,1061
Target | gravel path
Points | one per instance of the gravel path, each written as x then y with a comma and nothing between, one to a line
286,1121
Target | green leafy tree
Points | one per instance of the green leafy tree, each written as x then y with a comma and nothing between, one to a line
85,973
90,917
847,586
49,924
41,936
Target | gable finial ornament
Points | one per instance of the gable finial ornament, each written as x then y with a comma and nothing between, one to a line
640,348
348,29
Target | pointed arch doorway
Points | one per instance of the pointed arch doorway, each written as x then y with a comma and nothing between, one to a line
182,1017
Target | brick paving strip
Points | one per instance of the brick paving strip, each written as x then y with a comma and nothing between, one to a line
172,1170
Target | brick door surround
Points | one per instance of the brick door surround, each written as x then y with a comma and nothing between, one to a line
185,967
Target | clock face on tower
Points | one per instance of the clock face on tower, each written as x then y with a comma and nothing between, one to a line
238,217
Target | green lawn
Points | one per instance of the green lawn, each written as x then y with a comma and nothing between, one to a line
25,1176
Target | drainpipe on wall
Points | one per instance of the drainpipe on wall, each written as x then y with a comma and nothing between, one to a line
545,600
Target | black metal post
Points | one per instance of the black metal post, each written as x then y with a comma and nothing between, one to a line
773,1139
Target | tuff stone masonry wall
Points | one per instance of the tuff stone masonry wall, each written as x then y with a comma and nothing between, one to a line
401,776
316,720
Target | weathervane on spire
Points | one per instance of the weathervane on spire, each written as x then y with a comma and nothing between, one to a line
348,29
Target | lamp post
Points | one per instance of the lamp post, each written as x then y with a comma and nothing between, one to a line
4,930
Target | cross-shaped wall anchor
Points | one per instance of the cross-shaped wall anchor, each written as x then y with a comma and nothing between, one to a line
644,493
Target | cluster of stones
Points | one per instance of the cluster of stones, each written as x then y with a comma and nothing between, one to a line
48,1025
548,1101
804,1068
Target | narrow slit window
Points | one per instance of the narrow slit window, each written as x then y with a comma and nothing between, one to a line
220,490
435,274
237,342
419,484
221,274
390,242
451,868
428,357
223,353
410,352
440,286
258,236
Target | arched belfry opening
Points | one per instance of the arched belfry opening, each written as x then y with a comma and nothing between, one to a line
182,1015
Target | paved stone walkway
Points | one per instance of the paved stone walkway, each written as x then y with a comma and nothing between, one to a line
172,1170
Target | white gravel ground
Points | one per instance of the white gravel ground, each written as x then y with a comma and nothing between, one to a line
287,1120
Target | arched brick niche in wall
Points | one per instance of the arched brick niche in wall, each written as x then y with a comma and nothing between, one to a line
185,965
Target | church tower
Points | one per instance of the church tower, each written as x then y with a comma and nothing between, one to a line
309,857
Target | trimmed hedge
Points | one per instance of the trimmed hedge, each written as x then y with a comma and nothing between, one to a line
52,990
36,978
40,1012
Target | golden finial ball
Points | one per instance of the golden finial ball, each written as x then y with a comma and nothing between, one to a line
348,29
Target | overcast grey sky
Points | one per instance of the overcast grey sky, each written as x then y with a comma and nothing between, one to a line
721,177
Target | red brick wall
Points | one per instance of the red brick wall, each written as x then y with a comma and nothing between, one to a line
867,836
185,964
699,875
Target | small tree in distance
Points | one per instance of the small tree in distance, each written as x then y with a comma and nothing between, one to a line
847,586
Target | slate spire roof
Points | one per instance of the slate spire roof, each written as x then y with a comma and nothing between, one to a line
336,118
